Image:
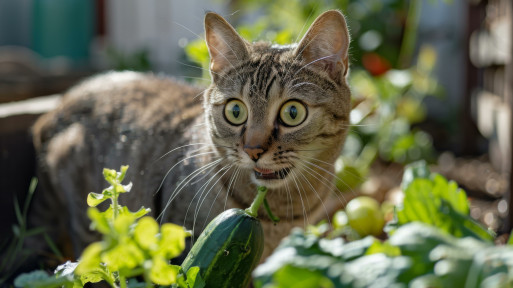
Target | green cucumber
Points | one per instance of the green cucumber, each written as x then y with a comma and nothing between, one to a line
230,247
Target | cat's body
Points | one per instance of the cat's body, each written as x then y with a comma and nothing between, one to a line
274,116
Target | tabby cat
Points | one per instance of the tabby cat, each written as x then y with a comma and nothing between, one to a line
273,115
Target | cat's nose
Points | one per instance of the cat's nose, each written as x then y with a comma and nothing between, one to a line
254,152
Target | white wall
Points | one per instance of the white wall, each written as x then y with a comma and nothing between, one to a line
158,26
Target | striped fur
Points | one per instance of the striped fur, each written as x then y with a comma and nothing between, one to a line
187,162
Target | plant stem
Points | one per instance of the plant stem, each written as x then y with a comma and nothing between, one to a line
115,205
410,33
257,202
270,213
122,281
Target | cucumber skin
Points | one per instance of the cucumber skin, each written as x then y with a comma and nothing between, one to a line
228,250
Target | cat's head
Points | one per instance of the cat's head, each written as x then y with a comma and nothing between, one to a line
281,112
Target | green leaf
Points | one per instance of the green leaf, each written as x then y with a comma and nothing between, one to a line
126,255
163,273
90,259
121,174
194,279
145,233
99,220
383,247
414,171
290,276
94,199
110,175
39,278
431,199
96,275
172,240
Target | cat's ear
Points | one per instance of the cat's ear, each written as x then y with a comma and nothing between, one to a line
326,44
225,46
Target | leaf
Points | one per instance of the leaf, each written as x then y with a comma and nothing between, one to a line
163,273
145,233
414,171
126,255
384,248
431,199
110,175
40,278
96,275
172,240
194,279
290,276
94,199
121,174
99,220
90,259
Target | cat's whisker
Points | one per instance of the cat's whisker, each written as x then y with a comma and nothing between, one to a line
298,54
203,69
193,175
231,182
185,146
326,182
181,185
318,196
200,93
196,78
312,62
212,47
305,216
304,83
321,168
202,190
176,164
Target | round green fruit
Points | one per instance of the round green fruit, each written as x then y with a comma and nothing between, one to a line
364,216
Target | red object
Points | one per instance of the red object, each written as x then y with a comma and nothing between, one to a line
375,64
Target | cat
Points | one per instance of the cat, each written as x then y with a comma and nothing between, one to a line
273,115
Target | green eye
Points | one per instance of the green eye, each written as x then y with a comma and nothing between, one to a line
293,113
235,112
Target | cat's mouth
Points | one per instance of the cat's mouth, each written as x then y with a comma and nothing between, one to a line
268,174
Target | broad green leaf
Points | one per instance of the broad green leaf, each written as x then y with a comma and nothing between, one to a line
163,273
172,240
96,275
431,199
90,259
99,220
40,278
145,233
94,199
383,247
413,171
126,255
194,278
123,222
290,276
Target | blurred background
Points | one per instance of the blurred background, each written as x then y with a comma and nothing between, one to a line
431,80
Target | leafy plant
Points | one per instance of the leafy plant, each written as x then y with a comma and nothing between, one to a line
131,246
16,254
442,250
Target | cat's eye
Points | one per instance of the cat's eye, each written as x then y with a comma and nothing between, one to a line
235,112
293,113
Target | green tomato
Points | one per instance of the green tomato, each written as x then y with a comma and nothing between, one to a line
364,216
340,219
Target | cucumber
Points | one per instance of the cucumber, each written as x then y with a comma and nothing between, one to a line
230,247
